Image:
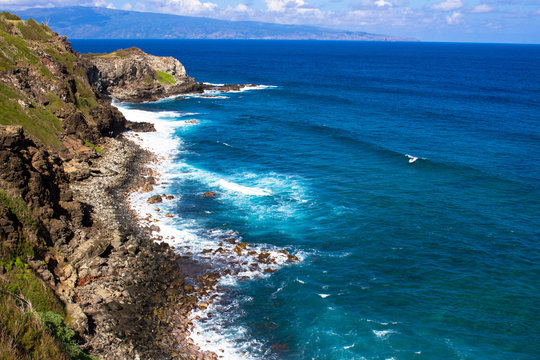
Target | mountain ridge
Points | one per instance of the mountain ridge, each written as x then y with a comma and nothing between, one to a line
78,22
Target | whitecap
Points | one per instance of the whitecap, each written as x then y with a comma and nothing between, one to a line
243,189
411,158
324,296
348,347
383,334
252,87
186,235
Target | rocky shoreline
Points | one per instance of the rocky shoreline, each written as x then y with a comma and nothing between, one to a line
65,215
224,254
134,292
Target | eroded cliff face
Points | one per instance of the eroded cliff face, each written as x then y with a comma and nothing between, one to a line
133,75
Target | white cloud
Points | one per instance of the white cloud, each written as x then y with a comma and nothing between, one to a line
382,3
241,8
127,6
283,5
482,9
103,3
387,16
293,12
188,7
455,18
448,5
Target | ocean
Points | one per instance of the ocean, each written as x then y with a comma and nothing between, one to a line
404,176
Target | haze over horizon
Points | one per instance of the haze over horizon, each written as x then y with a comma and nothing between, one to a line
516,21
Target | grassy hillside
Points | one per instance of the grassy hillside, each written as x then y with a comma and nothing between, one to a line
42,81
42,84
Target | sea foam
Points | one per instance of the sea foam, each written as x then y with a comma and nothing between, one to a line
186,236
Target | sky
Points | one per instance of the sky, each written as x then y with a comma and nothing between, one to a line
511,21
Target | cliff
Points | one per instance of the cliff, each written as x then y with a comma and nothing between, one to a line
133,75
55,102
77,274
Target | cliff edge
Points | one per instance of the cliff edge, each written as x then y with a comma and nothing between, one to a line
133,75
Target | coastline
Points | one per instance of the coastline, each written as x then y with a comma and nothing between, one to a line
118,277
134,294
213,258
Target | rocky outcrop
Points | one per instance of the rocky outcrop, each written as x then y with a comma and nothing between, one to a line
33,180
140,126
133,75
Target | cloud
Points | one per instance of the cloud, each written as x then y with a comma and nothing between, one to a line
103,3
241,8
186,7
283,5
382,3
447,5
293,12
455,18
386,16
14,5
482,9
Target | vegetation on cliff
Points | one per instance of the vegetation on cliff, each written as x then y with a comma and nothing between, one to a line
45,88
50,110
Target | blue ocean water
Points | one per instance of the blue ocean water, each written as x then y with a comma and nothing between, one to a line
436,258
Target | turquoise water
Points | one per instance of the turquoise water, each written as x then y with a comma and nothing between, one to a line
438,258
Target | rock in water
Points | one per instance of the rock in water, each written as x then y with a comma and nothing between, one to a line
154,199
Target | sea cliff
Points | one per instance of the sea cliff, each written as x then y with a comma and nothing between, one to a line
79,277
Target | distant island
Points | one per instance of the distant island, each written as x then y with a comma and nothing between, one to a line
79,22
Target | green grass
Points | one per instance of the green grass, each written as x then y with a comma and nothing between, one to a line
61,57
22,333
24,282
32,319
31,30
120,53
164,78
38,121
56,325
18,207
85,97
46,72
9,16
15,49
114,54
89,144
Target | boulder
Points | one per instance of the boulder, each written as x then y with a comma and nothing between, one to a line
77,319
140,126
154,199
